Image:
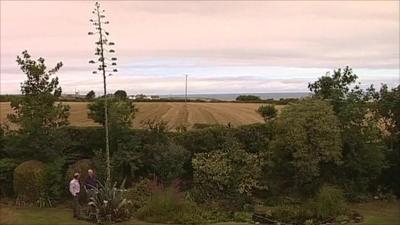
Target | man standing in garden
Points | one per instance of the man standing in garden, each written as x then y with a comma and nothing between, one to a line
74,189
91,181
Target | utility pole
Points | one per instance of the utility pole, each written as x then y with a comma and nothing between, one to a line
103,62
186,76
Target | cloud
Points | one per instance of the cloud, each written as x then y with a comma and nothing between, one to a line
235,40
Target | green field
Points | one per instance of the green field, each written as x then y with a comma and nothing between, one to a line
375,213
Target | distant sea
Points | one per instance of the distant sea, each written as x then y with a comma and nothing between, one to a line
232,96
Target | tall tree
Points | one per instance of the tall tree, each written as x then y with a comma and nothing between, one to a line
387,108
121,94
90,95
363,149
307,139
37,111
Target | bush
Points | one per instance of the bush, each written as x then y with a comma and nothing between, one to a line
54,178
29,181
7,167
329,203
292,213
230,176
139,194
243,217
267,111
168,205
248,98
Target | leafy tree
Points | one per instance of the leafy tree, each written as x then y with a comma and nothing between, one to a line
90,95
363,157
387,108
121,94
37,111
120,112
335,87
248,98
307,140
267,111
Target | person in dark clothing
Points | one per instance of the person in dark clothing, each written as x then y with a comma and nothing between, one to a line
91,181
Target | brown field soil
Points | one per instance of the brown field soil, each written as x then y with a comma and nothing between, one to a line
177,114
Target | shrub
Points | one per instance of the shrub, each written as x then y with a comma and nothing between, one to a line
29,181
139,194
243,217
230,176
292,213
54,178
267,111
108,204
248,98
168,205
7,167
329,203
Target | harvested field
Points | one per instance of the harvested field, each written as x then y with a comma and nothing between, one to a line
177,114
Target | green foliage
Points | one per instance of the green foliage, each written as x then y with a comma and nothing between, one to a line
363,149
335,87
139,193
248,98
232,175
55,186
168,205
292,213
267,111
90,95
29,181
205,140
254,137
329,203
387,108
37,111
108,204
245,217
307,139
120,112
120,94
149,153
7,167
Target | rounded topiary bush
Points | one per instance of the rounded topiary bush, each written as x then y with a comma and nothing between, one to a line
81,167
29,181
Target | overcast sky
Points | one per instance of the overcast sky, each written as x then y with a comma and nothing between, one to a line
225,47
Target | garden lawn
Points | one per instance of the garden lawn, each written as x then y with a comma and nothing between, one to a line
379,213
375,213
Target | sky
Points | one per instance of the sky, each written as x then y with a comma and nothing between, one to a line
223,46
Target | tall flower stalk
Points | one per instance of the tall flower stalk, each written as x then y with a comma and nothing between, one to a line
106,66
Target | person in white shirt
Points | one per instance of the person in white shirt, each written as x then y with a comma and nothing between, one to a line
74,189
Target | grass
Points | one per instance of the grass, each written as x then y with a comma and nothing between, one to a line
379,213
375,213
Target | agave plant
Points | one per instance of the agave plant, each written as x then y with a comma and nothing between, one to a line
108,204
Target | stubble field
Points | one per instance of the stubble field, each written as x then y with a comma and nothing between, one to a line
177,114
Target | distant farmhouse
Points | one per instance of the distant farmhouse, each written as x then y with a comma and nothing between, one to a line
72,96
144,97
